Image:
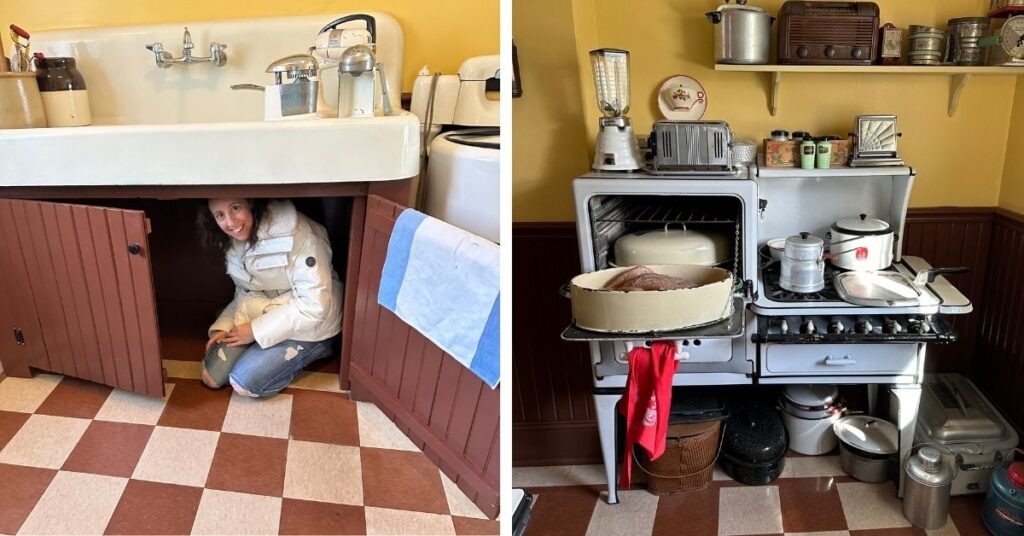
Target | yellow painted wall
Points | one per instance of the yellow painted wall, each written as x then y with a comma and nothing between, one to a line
1011,195
441,34
959,160
549,141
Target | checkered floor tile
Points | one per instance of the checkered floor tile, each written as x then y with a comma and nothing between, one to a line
813,496
79,458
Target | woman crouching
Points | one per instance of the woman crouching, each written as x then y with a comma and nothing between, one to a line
287,305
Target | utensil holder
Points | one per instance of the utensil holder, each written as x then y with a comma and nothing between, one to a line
21,105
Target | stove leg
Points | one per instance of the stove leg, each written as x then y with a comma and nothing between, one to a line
905,401
872,398
605,406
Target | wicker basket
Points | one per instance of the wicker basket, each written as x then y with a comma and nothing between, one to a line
691,451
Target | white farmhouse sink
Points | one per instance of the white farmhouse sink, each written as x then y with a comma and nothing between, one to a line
315,150
185,126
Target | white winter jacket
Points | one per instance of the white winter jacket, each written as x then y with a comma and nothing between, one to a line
284,284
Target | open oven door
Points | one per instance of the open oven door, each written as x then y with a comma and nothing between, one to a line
80,281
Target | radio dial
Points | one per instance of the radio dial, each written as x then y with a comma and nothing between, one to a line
857,52
803,52
830,51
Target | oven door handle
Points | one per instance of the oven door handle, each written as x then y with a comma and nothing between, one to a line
845,361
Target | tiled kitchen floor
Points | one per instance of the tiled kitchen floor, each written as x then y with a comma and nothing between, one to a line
76,457
813,496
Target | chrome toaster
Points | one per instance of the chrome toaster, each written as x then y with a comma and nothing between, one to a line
690,146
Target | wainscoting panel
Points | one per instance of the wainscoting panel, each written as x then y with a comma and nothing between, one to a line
998,364
553,419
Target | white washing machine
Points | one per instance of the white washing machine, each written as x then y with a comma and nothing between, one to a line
462,182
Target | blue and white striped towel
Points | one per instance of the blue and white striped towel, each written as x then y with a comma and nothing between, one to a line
444,282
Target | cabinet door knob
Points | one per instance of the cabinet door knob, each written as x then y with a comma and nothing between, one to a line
134,248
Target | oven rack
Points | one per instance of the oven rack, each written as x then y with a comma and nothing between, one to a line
663,215
729,328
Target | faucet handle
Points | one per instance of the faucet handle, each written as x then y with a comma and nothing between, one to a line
157,47
217,55
186,41
162,56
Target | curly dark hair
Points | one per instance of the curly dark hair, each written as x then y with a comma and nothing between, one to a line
210,234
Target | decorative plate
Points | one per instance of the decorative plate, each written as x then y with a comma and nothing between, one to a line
682,98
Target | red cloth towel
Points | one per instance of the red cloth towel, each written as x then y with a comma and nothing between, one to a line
649,383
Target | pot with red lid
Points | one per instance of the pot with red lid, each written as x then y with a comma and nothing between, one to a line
861,243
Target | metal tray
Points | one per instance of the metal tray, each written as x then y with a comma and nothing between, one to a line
728,328
877,289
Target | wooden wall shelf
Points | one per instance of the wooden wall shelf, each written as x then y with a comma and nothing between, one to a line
959,75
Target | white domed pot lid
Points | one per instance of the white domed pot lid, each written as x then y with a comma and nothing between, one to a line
867,434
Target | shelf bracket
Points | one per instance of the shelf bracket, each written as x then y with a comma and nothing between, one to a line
775,79
959,82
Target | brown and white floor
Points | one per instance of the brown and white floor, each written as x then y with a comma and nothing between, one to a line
813,497
79,458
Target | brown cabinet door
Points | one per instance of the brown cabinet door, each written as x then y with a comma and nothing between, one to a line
82,278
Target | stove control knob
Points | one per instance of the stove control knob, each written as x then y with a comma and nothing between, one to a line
784,327
892,327
915,326
863,327
807,328
836,326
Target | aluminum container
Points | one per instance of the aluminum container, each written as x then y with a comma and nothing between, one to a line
742,33
957,416
926,493
962,45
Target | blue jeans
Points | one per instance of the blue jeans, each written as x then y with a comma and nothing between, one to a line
262,371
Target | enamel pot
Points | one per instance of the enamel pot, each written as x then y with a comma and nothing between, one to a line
861,243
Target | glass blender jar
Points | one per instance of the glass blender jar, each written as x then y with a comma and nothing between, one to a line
616,148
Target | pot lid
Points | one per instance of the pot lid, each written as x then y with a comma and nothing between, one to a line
754,434
811,396
805,240
862,225
869,434
928,467
671,246
740,5
877,289
1016,474
954,411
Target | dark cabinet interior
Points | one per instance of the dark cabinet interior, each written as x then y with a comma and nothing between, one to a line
105,288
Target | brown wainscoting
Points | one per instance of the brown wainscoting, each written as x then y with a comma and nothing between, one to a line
444,408
998,365
552,420
947,237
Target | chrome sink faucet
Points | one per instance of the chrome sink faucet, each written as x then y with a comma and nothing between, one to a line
164,59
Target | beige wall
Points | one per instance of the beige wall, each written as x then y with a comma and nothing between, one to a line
959,160
441,34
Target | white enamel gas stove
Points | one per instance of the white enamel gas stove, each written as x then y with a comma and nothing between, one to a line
775,336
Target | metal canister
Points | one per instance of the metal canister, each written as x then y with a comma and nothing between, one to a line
926,494
962,46
927,45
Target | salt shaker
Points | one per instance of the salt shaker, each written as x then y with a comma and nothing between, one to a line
65,96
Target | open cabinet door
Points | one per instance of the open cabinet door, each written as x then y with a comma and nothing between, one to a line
81,278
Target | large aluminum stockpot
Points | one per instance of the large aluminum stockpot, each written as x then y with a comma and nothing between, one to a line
868,447
742,33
